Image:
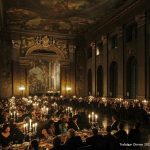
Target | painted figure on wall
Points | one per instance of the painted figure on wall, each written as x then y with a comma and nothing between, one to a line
42,77
38,77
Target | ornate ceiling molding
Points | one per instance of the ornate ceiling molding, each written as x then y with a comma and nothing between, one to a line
50,48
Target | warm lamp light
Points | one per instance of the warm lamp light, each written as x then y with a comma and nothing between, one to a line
68,88
61,96
21,88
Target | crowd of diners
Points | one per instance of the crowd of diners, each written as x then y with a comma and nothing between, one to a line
60,126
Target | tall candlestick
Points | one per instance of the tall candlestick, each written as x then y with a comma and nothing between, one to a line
11,115
26,127
89,118
96,116
35,127
30,126
92,116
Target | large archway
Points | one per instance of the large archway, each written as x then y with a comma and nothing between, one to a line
44,69
100,81
113,80
131,78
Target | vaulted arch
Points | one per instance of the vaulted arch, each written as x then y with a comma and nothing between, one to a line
51,48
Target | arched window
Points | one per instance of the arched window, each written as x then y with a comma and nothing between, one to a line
131,78
89,82
100,81
113,76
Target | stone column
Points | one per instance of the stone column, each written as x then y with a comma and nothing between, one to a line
105,62
64,77
93,68
141,57
120,86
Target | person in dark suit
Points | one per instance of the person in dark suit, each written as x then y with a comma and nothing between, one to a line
121,136
74,123
5,136
34,145
134,135
72,142
115,122
57,144
96,140
110,142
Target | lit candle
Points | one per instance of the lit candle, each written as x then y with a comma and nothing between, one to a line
89,118
11,115
92,116
30,126
96,116
35,127
26,127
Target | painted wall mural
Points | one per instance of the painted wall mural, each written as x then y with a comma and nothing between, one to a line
43,76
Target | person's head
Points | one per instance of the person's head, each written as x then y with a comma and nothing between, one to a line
75,118
63,120
35,144
137,125
108,129
114,118
71,132
44,132
121,126
56,141
6,128
95,131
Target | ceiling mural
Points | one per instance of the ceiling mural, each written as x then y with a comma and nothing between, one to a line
63,16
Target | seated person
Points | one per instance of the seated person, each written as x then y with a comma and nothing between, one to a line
95,140
74,123
16,133
110,142
63,126
57,124
121,135
57,144
72,141
45,134
134,135
51,129
5,136
114,125
34,145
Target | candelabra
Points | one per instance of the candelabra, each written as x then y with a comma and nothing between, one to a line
30,129
93,119
69,110
55,105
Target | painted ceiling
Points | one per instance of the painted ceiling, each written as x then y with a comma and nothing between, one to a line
61,16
